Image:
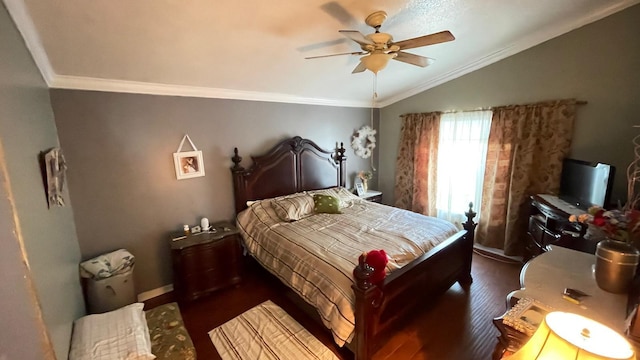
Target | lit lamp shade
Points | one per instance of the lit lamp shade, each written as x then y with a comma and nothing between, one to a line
376,61
570,336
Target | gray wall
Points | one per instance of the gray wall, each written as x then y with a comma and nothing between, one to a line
47,236
599,63
121,174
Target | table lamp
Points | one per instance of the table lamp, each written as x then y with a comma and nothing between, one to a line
570,336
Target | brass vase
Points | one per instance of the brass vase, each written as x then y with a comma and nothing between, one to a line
616,264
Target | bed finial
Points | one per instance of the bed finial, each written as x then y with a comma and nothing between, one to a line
469,225
236,160
470,214
341,151
362,273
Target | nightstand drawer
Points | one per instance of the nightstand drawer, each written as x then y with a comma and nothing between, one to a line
377,198
217,254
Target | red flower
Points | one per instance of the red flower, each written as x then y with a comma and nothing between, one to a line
599,219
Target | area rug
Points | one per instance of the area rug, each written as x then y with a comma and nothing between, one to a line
267,332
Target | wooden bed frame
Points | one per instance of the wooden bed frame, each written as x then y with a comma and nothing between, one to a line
298,164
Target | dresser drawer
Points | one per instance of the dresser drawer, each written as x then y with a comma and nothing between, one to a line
541,235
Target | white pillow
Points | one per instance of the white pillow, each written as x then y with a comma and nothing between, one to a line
293,208
120,334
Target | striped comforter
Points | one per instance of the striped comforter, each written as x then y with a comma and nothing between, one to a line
316,255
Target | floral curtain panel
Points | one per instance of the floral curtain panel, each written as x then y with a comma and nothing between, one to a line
526,146
416,175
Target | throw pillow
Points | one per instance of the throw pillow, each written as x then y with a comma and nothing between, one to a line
326,204
293,208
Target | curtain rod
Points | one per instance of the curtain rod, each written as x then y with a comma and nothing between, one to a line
578,102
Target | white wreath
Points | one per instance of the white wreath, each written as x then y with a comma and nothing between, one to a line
364,141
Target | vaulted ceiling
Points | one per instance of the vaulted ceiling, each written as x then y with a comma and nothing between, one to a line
255,49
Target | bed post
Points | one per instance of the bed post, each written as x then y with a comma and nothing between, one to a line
341,158
470,226
238,181
366,299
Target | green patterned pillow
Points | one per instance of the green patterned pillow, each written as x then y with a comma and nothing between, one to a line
326,204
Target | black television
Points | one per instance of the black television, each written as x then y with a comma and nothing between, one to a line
585,184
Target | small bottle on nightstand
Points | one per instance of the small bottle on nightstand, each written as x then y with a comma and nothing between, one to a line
204,224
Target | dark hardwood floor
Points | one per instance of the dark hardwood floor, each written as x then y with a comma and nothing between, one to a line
456,326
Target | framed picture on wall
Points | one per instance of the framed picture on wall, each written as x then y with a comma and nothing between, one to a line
189,164
360,189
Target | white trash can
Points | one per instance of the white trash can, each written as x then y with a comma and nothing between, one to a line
108,281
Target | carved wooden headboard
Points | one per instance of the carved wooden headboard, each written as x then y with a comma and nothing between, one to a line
293,165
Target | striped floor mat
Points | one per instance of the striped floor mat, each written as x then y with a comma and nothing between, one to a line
267,332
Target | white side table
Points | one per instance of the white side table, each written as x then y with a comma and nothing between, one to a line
546,276
373,195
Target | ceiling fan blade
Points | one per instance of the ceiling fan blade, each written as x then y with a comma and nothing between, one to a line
360,68
339,13
349,53
425,40
413,59
356,36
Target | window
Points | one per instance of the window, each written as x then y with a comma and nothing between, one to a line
462,153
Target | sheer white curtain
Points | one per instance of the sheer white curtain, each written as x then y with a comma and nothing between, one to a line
462,152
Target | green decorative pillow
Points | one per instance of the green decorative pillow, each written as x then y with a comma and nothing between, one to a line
326,204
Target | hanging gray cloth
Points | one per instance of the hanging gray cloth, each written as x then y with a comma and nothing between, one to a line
56,167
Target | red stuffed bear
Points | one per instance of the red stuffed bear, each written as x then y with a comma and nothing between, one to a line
378,260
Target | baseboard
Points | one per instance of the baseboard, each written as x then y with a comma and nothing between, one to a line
496,254
146,295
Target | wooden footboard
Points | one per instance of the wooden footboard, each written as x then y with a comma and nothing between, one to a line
379,308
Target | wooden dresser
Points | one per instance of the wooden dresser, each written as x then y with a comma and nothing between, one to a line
207,261
549,225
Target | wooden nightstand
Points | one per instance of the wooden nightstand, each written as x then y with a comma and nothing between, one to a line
207,261
373,195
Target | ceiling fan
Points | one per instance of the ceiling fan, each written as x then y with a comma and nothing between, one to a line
378,48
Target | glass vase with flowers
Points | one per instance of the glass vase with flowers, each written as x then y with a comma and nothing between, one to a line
365,176
618,224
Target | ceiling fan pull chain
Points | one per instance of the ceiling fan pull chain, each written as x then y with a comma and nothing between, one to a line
373,106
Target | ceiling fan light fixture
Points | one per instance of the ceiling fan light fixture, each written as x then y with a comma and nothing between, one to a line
380,38
377,61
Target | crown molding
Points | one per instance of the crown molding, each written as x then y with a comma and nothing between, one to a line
18,12
135,87
526,43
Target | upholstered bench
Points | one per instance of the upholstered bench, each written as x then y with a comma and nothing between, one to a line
169,337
